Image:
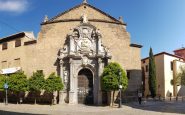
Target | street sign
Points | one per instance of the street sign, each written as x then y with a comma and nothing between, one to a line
6,86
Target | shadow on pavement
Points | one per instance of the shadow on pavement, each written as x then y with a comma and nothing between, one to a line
160,106
15,113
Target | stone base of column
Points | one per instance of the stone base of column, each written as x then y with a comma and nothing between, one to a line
99,98
62,97
72,98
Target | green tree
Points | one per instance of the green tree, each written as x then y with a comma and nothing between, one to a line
18,83
180,79
110,79
2,82
152,74
53,83
182,75
36,84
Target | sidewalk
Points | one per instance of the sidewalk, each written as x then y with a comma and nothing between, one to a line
130,109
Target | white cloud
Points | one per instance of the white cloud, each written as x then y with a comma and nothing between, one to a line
16,6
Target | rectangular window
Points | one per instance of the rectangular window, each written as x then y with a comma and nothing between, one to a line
171,65
146,68
17,62
17,42
5,46
40,71
4,64
128,74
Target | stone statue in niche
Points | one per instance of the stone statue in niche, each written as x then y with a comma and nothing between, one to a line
75,34
84,17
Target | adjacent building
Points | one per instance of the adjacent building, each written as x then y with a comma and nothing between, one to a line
180,52
76,44
167,67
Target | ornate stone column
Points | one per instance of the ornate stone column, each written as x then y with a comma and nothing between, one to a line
63,93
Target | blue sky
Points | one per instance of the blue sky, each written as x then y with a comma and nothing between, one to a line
156,23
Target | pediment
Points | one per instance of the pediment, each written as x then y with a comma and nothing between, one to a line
76,13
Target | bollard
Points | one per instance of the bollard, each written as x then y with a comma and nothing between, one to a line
182,99
21,100
170,96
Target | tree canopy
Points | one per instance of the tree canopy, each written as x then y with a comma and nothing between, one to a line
18,82
152,74
37,82
53,83
111,77
2,82
180,79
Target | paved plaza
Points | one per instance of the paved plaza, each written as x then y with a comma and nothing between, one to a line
147,108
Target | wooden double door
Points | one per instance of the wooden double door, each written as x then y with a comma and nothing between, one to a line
85,87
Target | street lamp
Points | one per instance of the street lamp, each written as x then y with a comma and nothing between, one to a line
6,89
120,88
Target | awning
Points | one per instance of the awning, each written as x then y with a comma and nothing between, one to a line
10,70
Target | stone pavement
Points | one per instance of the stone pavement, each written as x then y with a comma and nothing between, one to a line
147,108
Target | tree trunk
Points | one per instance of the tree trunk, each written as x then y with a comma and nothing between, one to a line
109,98
35,101
35,98
113,98
17,95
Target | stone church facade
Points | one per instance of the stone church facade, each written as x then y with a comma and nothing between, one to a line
76,44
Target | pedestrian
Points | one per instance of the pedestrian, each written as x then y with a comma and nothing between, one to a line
139,97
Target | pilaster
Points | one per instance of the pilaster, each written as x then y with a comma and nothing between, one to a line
72,94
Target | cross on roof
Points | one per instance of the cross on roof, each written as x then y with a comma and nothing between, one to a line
84,1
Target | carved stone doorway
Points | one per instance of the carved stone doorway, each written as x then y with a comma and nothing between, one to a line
85,87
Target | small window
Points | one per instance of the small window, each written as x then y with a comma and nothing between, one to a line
143,61
4,64
5,46
146,68
128,74
17,62
171,65
17,42
40,71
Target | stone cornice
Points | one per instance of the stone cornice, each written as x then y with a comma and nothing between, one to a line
90,20
11,37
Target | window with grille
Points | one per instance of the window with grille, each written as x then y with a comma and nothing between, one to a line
5,46
171,65
146,68
128,74
17,42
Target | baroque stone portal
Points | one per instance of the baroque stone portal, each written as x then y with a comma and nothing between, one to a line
82,59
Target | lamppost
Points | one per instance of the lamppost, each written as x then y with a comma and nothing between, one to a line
120,88
6,90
